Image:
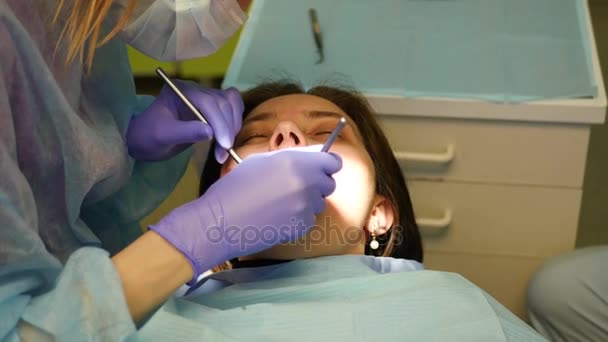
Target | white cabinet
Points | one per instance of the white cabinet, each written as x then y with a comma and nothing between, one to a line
508,197
496,187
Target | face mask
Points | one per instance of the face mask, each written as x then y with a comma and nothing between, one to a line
170,30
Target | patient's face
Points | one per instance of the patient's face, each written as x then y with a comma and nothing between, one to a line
302,120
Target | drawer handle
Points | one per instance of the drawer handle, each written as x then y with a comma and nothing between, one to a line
436,223
432,158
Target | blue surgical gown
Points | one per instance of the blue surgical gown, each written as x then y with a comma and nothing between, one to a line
69,193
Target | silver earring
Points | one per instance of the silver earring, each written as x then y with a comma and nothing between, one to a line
374,244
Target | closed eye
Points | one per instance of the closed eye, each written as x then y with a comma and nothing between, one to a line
251,138
326,134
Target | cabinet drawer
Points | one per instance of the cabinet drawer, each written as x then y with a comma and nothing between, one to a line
505,278
496,219
489,151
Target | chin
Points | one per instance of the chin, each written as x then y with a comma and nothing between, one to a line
317,243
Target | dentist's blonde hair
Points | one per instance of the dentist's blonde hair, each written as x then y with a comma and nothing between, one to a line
83,27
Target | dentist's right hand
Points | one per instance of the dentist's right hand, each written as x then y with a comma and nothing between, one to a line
270,198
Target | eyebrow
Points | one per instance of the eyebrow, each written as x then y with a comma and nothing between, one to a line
313,114
317,114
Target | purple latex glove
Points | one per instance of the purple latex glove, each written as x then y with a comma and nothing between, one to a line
167,126
269,198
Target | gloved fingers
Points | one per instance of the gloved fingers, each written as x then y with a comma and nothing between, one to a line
327,185
329,163
234,98
214,108
184,132
221,155
231,106
191,90
226,109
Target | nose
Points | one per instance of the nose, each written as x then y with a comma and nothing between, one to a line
286,135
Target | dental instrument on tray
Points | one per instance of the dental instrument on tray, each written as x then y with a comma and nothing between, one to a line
195,110
334,135
316,31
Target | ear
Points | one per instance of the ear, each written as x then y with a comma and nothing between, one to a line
381,216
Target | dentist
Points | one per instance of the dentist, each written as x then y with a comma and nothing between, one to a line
83,159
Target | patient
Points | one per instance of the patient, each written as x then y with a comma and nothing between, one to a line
331,283
371,200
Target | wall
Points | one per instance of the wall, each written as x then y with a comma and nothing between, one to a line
593,223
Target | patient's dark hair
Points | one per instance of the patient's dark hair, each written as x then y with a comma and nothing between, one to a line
403,239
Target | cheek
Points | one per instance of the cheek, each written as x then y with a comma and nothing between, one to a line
355,188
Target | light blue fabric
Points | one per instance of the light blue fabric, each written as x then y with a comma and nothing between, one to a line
568,296
496,50
66,181
338,298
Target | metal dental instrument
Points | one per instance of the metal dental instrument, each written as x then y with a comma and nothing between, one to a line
334,135
195,110
316,31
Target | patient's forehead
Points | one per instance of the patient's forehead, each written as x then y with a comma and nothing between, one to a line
296,104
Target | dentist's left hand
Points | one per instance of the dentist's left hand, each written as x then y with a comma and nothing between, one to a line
168,126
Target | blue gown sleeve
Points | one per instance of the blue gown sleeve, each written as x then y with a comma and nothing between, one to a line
81,300
78,300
